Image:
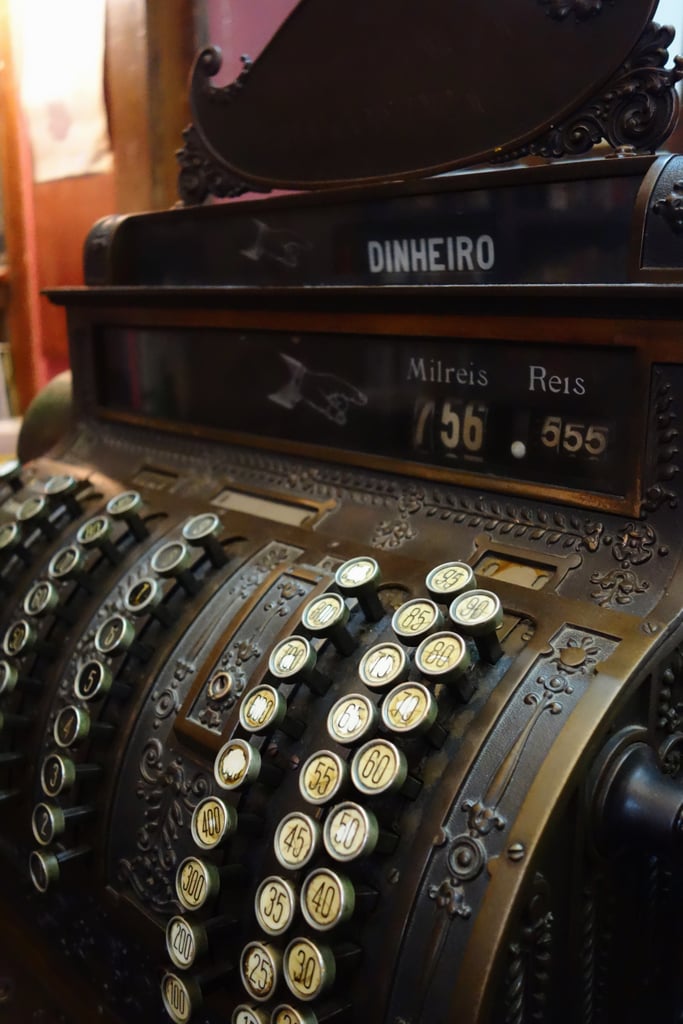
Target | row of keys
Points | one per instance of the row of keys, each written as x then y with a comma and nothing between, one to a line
326,899
350,832
282,1014
214,821
477,613
307,968
377,767
409,709
94,679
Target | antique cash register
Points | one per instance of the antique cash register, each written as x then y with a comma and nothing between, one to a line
342,647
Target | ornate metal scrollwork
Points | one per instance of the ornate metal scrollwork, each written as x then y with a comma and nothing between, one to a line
664,429
671,208
527,981
581,9
636,108
202,176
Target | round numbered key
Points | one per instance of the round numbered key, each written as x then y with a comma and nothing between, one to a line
19,638
309,968
275,904
9,677
326,616
479,613
379,767
415,620
350,832
244,1014
237,764
185,942
327,899
260,967
296,840
290,657
42,599
203,531
286,1014
97,533
57,486
45,867
124,504
442,657
127,507
10,537
383,666
294,659
410,709
35,511
94,531
146,597
63,489
143,596
262,709
58,774
67,563
448,580
359,578
47,822
352,718
196,882
115,635
10,473
93,680
322,777
174,559
181,997
72,726
213,822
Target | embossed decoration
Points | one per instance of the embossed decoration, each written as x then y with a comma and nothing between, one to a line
356,114
527,979
581,9
571,532
170,796
255,634
450,896
669,698
578,653
637,108
634,544
664,458
617,587
671,208
573,659
466,857
200,176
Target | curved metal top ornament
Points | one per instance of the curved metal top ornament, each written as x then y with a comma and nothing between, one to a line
372,91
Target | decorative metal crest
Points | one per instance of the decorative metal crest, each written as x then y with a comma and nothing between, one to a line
271,129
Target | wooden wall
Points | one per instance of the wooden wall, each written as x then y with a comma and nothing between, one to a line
64,212
149,53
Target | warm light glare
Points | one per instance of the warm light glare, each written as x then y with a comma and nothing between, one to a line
60,57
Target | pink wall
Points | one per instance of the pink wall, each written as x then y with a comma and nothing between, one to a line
243,27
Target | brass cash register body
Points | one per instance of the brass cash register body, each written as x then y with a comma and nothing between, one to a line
342,672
